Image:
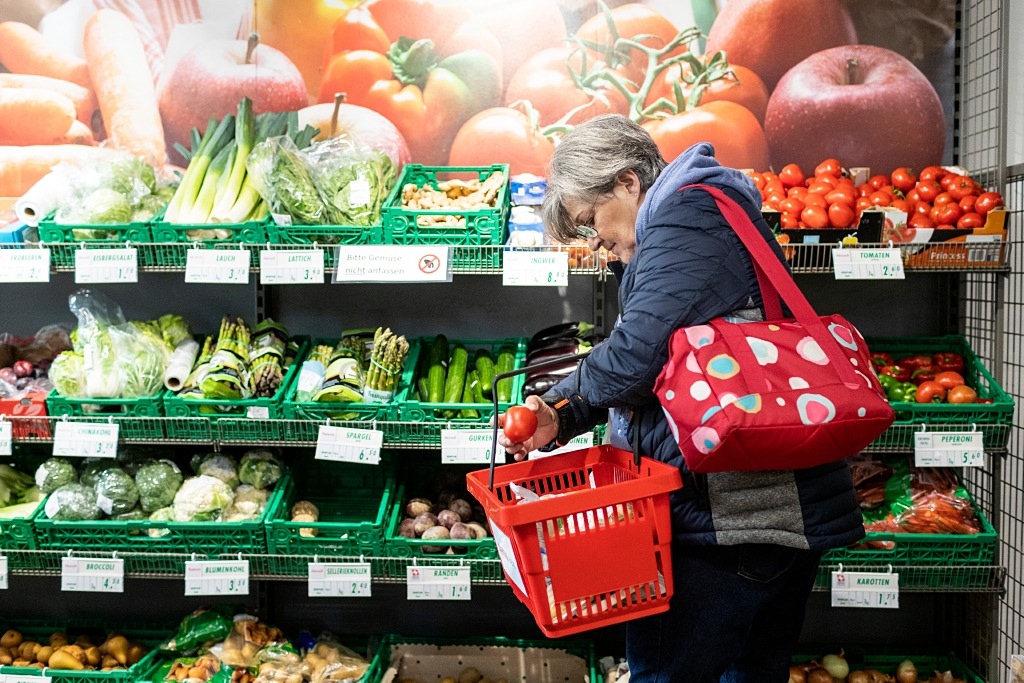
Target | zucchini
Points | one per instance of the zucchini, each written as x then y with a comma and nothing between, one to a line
506,363
485,369
456,379
438,357
467,396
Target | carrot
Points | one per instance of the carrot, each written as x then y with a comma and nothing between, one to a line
24,50
124,85
83,98
22,167
30,116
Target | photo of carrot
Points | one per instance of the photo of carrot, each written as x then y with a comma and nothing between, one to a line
77,134
31,116
24,50
124,86
83,98
22,167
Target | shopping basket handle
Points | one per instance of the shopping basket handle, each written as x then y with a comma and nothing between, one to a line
561,360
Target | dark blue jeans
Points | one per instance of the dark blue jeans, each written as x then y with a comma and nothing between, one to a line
735,616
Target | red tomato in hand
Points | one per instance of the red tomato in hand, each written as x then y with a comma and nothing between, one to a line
986,202
519,424
903,180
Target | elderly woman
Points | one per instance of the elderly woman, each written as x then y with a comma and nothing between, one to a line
746,545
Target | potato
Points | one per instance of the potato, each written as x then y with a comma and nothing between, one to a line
448,679
448,518
21,663
424,522
11,639
479,530
462,508
417,506
6,658
435,533
470,675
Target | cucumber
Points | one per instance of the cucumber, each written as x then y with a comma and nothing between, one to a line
436,369
506,363
467,396
456,378
477,387
485,369
421,389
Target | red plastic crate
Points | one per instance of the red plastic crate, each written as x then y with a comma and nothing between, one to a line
32,405
602,505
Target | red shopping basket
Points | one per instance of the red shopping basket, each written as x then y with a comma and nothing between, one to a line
597,552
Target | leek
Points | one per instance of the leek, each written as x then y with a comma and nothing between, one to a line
218,168
245,138
181,206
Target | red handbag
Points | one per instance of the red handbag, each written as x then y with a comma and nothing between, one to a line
784,394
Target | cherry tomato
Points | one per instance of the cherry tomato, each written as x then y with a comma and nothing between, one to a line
814,217
919,221
830,167
519,423
878,181
930,392
880,198
791,205
949,213
814,199
970,220
928,190
931,173
986,202
962,394
903,180
840,215
791,175
968,202
949,379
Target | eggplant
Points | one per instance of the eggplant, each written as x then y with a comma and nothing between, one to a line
562,331
542,355
556,343
540,385
563,370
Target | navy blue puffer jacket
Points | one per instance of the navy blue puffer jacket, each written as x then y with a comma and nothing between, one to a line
690,267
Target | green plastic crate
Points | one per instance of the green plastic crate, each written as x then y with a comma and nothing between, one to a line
51,232
354,502
236,415
361,412
250,232
149,637
482,228
992,419
451,655
103,409
887,661
414,410
326,236
17,533
167,553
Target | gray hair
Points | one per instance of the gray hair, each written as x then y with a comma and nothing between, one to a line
587,162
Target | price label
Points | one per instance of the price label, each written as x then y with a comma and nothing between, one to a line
85,440
5,437
291,267
217,266
402,263
582,441
949,449
868,264
95,266
866,589
438,583
229,577
466,446
3,573
257,412
535,269
984,248
12,678
339,580
24,265
91,575
342,444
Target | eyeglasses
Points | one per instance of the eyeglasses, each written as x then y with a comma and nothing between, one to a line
586,229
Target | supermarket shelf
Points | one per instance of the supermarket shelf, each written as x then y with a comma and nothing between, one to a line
225,431
159,257
391,570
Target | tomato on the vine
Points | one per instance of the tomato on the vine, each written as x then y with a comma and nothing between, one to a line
737,136
502,133
519,423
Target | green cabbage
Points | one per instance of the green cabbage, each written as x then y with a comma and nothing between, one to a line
55,473
67,374
103,205
157,483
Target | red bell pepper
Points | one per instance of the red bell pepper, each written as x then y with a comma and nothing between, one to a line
914,362
984,400
896,372
924,374
948,361
881,360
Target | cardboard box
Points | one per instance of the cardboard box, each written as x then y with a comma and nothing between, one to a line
983,247
31,405
426,662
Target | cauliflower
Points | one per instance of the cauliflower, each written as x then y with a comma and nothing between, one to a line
116,492
202,499
73,502
162,515
259,468
217,465
248,505
157,483
55,473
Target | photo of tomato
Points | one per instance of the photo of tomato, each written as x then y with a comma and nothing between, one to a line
502,133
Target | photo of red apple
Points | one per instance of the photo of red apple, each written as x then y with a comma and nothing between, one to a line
865,105
361,125
771,36
212,78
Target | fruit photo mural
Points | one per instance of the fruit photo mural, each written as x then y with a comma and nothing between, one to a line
475,82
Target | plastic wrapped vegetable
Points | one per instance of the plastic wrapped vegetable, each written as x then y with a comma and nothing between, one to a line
73,502
354,180
67,374
217,465
202,499
284,177
55,473
157,483
259,468
162,515
116,492
92,469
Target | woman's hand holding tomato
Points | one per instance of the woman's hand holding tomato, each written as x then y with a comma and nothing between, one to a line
527,427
